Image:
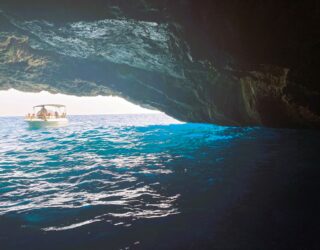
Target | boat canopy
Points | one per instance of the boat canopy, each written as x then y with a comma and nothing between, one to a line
50,105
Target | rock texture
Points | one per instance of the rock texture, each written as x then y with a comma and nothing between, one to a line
224,62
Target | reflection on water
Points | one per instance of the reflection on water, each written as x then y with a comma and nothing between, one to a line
115,179
92,163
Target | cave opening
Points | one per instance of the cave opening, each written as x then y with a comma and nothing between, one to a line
99,110
77,105
106,111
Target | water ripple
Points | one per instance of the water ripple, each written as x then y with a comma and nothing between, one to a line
117,171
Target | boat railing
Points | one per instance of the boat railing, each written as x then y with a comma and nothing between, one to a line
45,117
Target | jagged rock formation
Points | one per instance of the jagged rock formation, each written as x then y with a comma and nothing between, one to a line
225,62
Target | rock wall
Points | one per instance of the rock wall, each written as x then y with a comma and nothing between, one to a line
224,62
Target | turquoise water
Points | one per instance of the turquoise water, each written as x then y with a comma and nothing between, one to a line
150,182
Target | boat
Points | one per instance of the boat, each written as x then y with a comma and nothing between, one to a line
47,115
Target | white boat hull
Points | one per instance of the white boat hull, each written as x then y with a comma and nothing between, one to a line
47,123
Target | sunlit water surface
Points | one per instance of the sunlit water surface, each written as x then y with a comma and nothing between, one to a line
150,182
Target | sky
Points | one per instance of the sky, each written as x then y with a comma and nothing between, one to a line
16,103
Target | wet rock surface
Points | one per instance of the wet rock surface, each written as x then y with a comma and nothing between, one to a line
229,63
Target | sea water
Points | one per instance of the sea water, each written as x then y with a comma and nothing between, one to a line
151,182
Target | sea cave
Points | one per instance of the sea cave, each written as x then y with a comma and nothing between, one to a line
231,160
227,63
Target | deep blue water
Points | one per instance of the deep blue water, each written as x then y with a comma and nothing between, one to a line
149,182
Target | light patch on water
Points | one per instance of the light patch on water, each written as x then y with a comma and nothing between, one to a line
73,226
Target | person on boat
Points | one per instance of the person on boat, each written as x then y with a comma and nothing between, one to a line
42,113
56,114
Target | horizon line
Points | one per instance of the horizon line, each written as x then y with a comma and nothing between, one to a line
155,113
